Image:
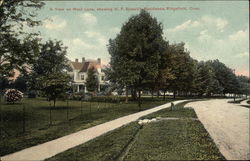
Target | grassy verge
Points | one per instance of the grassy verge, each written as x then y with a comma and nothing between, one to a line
174,140
106,147
65,120
178,112
182,139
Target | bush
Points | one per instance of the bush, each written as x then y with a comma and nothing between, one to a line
32,94
13,95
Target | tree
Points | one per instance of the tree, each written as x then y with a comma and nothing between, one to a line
55,85
225,76
135,52
92,80
49,72
17,48
182,69
206,82
20,83
244,85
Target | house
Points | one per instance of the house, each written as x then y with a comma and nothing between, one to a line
79,74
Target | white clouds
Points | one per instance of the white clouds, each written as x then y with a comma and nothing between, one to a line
240,35
216,22
55,23
243,55
91,46
204,35
88,19
187,24
205,22
92,34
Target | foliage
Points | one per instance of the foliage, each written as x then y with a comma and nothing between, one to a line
92,80
20,83
182,68
225,76
55,85
206,82
17,48
13,95
49,72
135,52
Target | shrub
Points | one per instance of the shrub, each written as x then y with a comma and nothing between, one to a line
32,94
13,95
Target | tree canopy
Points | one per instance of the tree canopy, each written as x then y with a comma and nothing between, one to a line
17,47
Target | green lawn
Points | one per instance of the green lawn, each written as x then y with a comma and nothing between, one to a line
182,139
37,120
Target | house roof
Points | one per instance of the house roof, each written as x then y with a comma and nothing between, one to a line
83,67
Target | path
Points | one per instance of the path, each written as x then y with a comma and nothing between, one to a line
244,103
228,125
51,148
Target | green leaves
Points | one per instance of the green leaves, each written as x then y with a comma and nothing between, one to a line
92,80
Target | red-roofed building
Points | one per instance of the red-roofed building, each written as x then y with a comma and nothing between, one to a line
79,73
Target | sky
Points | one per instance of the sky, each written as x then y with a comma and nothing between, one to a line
210,30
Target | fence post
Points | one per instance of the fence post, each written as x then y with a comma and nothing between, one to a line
81,107
90,106
23,118
68,110
50,114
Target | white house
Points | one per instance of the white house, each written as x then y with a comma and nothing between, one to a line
79,73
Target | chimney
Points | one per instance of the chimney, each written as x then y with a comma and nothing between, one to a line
83,59
99,60
76,60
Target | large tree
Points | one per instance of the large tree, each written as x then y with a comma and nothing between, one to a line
205,81
226,77
181,67
135,52
17,47
48,73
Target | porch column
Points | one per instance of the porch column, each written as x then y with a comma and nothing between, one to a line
77,89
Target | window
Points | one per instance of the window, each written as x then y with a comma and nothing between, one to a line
103,78
82,77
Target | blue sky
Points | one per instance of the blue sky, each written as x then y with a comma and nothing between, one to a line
210,30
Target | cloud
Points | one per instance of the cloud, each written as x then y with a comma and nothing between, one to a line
88,19
205,22
92,34
55,23
187,24
92,46
204,36
243,55
218,22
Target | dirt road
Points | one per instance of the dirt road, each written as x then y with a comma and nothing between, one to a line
228,125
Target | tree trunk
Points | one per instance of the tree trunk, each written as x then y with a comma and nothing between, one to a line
134,95
139,100
164,96
174,94
126,100
152,94
54,103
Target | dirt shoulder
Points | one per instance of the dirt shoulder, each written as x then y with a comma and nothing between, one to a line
228,125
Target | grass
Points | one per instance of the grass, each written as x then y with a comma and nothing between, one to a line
174,140
106,147
178,112
37,119
182,139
